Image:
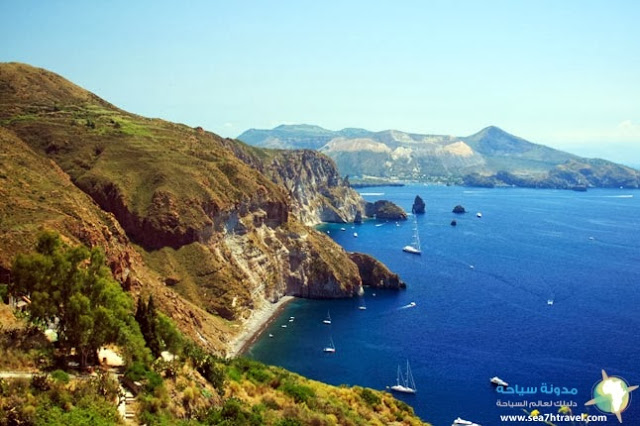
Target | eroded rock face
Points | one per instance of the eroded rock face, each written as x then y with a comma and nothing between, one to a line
374,273
459,209
385,210
418,206
215,233
317,191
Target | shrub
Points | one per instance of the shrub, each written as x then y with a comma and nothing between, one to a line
259,375
369,397
299,393
136,371
40,382
60,376
212,372
234,374
154,380
289,422
270,403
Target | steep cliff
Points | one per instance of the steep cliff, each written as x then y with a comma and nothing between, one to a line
211,232
374,273
38,195
317,191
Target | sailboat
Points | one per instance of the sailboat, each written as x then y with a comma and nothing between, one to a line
414,247
327,320
405,384
331,348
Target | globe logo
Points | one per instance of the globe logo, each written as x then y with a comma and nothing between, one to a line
611,395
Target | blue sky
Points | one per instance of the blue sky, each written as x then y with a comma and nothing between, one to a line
562,73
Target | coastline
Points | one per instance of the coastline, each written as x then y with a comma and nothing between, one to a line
256,325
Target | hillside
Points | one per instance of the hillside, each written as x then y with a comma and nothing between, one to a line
216,228
491,157
212,228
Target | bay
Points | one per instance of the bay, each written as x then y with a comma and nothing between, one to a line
481,290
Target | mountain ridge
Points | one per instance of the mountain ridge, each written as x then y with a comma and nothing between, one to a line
489,157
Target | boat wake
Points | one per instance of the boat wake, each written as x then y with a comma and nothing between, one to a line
410,305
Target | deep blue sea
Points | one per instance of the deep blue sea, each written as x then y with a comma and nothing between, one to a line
482,291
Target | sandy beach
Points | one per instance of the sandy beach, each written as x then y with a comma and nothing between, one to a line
255,325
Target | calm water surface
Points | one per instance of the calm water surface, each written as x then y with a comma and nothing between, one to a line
481,290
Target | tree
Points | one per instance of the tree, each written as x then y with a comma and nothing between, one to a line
147,318
73,287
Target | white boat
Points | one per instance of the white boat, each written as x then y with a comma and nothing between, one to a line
378,225
460,422
363,305
404,384
270,335
343,229
331,348
414,247
290,319
355,235
412,304
327,320
284,326
550,302
478,214
498,381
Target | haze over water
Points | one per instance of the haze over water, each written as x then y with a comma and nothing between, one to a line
481,290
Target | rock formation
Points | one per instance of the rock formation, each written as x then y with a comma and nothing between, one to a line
384,209
459,209
374,273
418,206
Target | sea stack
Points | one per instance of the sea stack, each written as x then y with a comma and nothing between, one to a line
358,218
459,209
385,210
418,206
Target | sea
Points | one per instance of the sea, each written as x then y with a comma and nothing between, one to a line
542,290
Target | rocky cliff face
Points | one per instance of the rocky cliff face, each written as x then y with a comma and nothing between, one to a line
317,191
222,224
374,273
39,195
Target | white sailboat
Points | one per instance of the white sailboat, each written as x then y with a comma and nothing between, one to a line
331,348
327,320
414,247
404,384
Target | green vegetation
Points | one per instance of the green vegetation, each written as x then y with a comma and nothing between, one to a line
44,400
72,287
98,176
